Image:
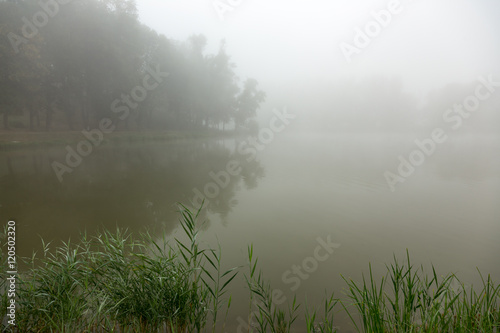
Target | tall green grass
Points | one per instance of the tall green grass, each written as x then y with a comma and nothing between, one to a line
120,282
113,282
269,317
409,300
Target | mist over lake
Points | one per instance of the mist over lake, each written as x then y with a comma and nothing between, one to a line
246,166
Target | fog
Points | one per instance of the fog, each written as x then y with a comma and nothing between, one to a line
174,142
429,51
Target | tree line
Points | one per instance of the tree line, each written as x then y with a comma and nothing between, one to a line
64,62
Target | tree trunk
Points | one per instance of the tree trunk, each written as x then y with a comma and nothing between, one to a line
32,115
149,120
66,106
69,118
6,120
48,118
85,115
37,115
9,166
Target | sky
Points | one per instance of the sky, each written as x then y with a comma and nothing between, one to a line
289,45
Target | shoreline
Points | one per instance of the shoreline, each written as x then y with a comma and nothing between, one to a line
13,140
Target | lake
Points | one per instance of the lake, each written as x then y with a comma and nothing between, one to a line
314,206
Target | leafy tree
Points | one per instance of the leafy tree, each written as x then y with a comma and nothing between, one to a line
248,102
95,51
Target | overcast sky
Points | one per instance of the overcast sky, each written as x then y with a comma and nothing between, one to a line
427,43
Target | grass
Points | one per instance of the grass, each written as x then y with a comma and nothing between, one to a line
409,300
113,282
269,317
119,282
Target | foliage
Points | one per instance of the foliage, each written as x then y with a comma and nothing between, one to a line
68,72
115,282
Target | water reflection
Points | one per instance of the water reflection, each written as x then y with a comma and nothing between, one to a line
446,213
131,186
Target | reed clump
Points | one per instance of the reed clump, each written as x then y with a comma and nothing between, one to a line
120,282
407,299
113,282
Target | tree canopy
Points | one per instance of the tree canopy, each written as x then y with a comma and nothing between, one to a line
63,64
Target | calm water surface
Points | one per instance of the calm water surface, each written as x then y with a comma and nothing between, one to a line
298,188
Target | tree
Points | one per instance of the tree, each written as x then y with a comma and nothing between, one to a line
223,87
248,102
95,51
23,69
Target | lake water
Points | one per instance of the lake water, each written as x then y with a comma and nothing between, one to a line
298,192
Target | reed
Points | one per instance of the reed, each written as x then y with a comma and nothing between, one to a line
409,300
113,282
268,315
118,282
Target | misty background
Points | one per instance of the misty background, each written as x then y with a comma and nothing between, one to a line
216,74
422,63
